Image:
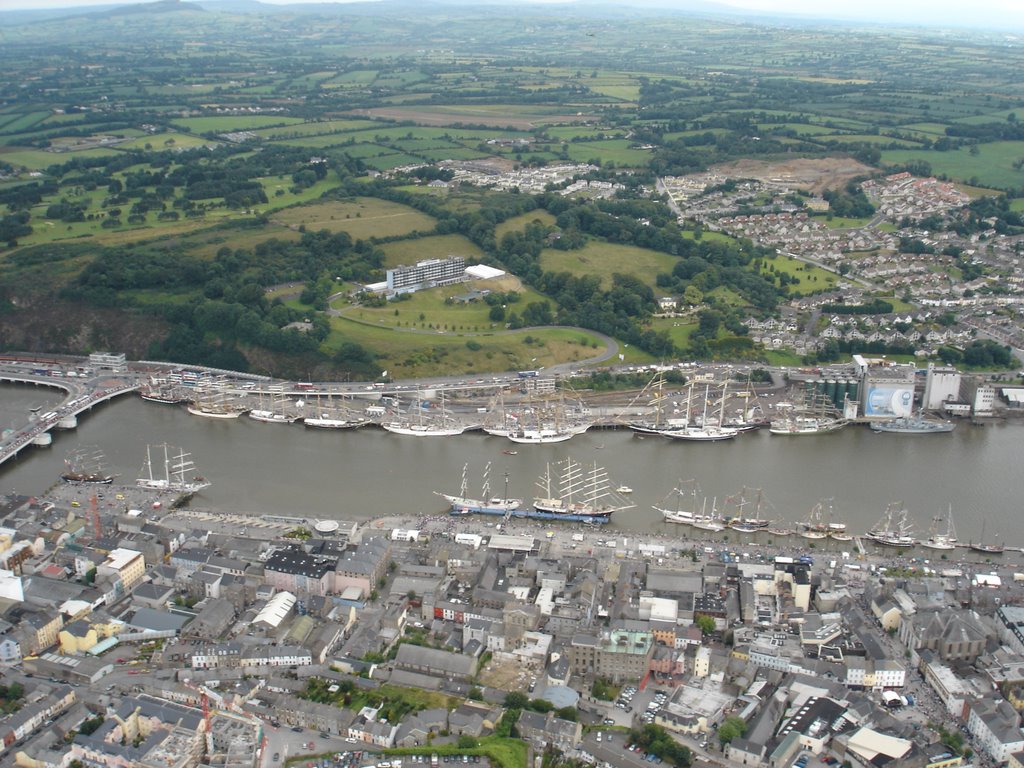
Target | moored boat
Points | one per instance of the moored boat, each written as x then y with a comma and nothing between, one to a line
893,530
680,505
86,466
913,425
982,547
177,473
577,493
941,537
463,504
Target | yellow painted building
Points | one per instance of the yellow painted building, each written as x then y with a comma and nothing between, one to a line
79,636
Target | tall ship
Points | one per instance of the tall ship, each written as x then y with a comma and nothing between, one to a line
429,425
913,425
176,474
464,504
815,527
707,430
158,391
655,420
942,534
893,530
212,402
86,466
743,522
537,421
814,416
276,412
985,548
577,493
712,521
680,505
330,417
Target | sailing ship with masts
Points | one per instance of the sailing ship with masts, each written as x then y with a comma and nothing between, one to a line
705,431
815,416
158,390
334,417
274,411
990,548
176,475
425,423
942,534
680,505
577,493
464,504
656,418
893,529
86,465
537,420
741,521
815,527
213,402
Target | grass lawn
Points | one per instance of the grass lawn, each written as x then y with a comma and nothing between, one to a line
361,217
811,278
160,141
711,237
279,192
436,314
679,329
518,223
605,259
411,355
992,166
779,357
616,151
37,159
229,123
436,247
838,222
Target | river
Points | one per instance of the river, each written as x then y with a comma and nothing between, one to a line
352,475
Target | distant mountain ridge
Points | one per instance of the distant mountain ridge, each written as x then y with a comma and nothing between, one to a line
941,17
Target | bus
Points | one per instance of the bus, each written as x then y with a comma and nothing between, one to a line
304,385
528,374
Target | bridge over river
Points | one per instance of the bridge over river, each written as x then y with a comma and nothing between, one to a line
82,392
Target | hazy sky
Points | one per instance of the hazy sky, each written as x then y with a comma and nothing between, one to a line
991,14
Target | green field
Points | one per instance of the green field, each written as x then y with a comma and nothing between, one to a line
678,328
166,141
429,309
605,259
361,217
616,151
991,167
406,354
436,247
38,159
812,278
518,223
231,123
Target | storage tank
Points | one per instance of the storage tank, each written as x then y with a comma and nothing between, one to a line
830,389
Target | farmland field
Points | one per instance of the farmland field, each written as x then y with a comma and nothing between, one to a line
408,355
361,217
436,247
518,223
992,166
605,259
